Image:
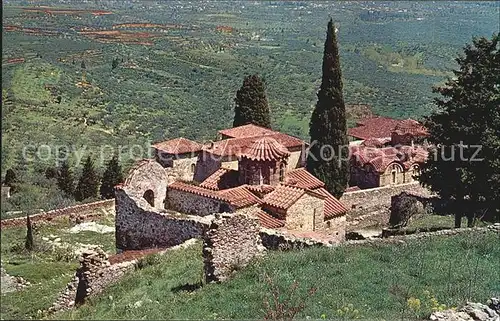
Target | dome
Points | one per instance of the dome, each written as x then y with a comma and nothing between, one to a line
265,149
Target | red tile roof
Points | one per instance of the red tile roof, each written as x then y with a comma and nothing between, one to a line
265,148
264,189
375,127
221,179
268,221
178,146
381,158
412,127
240,196
333,207
197,190
249,130
300,177
283,196
235,146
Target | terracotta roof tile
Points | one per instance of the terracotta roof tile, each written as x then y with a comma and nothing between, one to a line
222,178
268,221
265,148
300,177
410,126
264,189
283,196
178,146
235,146
197,190
240,196
333,207
248,130
374,127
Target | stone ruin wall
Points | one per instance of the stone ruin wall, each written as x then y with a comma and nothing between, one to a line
189,203
77,213
369,206
140,226
231,242
336,227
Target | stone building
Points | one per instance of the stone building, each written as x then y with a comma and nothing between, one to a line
250,170
387,152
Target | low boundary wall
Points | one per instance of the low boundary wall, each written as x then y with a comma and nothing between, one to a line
78,212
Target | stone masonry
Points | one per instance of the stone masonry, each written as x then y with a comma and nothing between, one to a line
140,226
231,243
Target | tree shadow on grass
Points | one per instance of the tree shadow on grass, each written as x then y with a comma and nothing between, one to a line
188,287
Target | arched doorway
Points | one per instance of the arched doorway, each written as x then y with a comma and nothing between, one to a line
149,196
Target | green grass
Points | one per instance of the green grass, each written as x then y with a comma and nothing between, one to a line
47,270
437,221
453,269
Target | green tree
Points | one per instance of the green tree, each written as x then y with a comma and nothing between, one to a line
65,181
111,177
82,65
11,180
465,165
251,103
328,154
29,244
88,182
114,63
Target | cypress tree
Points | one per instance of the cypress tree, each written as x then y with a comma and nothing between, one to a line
328,154
65,179
29,244
251,103
111,177
88,182
11,180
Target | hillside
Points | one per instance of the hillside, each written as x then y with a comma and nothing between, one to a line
371,282
113,76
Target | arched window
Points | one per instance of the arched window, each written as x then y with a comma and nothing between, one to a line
149,196
395,169
193,168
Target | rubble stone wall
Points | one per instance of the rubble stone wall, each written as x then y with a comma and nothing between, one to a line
231,242
336,226
140,226
190,203
77,213
380,196
148,175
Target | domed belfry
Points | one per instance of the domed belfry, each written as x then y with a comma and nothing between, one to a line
263,162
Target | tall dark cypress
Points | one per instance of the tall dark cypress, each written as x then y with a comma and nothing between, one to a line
251,103
29,244
65,179
88,183
111,177
328,153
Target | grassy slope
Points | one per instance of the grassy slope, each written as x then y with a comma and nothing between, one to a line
48,270
452,268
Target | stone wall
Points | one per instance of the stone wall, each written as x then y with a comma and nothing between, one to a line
140,226
77,213
190,203
296,158
148,175
376,197
306,214
231,242
336,226
185,165
206,165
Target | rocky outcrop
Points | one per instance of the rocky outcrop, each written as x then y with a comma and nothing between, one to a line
471,312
